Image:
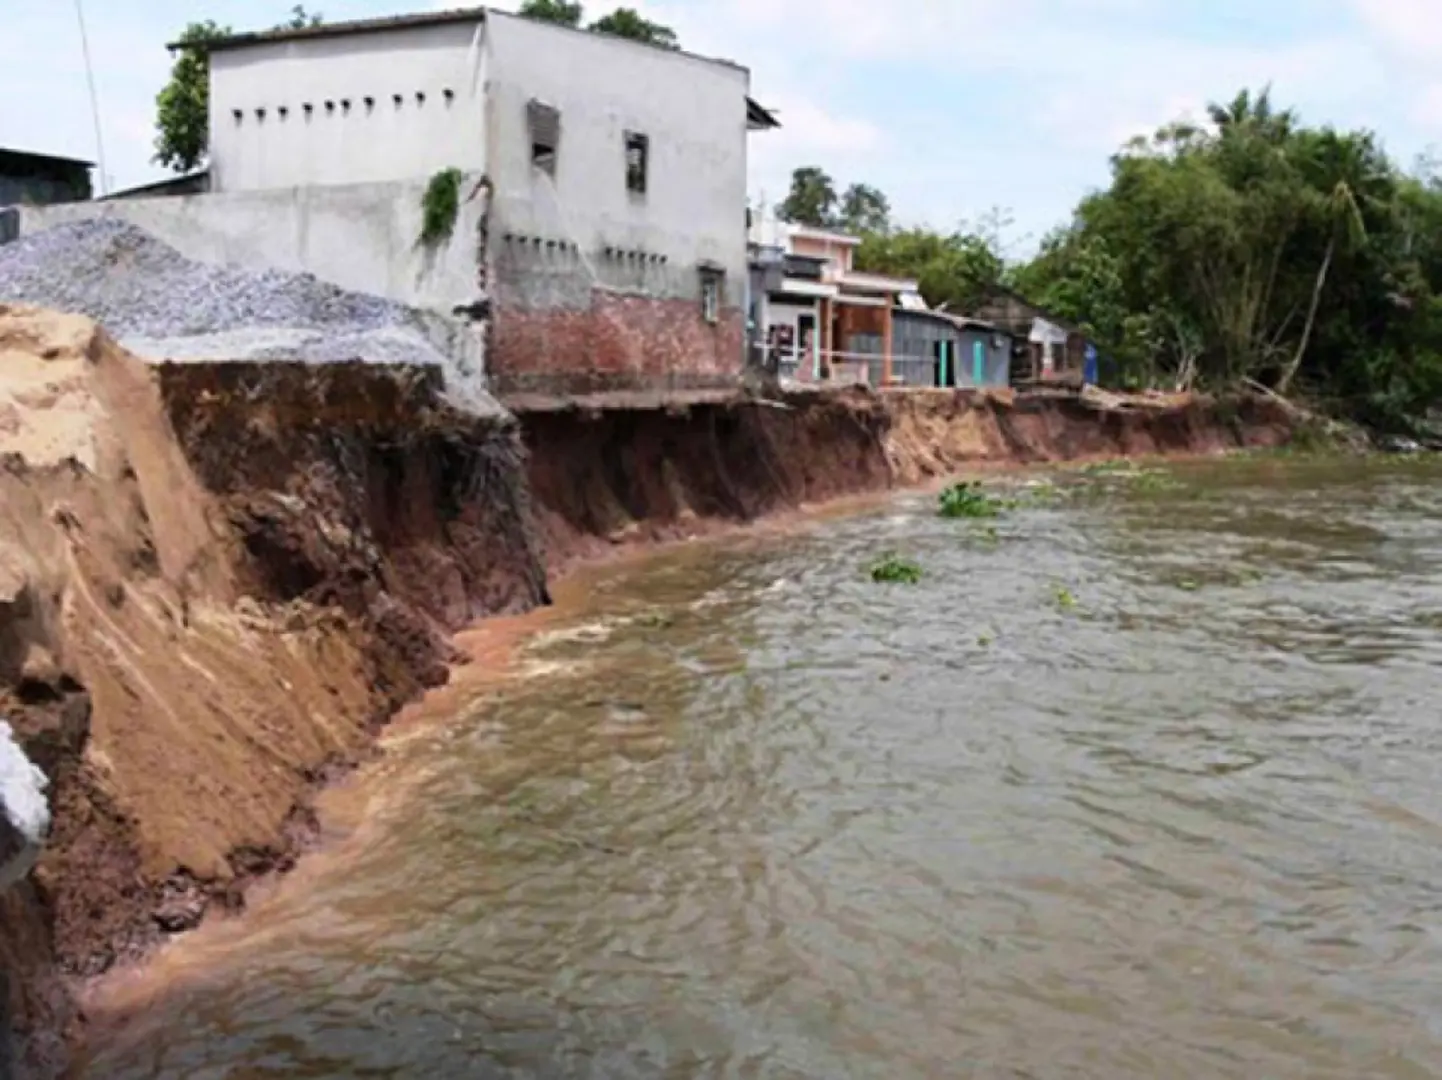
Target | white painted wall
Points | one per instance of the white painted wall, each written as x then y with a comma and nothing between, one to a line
692,110
358,236
361,144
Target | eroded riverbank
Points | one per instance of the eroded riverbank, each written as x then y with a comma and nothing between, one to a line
1140,786
219,579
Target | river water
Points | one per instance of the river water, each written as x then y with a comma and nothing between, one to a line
1143,785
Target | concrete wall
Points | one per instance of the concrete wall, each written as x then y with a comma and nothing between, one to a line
379,108
596,287
359,236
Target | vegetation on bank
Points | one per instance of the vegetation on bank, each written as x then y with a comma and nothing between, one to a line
1249,249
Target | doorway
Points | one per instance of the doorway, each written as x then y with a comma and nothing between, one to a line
806,344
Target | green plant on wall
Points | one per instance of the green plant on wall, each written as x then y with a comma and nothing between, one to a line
440,206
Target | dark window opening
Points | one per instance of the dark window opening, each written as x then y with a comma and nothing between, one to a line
638,152
711,294
420,97
544,122
283,111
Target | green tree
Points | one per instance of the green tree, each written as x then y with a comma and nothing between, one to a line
300,19
864,209
954,271
628,23
1258,247
812,199
183,107
552,11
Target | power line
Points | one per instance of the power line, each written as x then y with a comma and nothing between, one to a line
94,98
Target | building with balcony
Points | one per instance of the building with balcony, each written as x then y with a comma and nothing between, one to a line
819,319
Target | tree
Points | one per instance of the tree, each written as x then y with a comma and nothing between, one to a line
182,117
812,199
628,23
300,19
1347,171
183,107
1260,248
864,209
552,11
954,270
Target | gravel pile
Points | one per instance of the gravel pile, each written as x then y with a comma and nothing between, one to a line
163,306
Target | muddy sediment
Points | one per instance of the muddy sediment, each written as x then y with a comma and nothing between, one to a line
217,580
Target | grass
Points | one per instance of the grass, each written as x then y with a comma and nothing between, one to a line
967,500
895,570
1064,598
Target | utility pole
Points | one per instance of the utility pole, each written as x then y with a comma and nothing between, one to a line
94,99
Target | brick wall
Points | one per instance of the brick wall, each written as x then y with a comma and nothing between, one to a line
619,342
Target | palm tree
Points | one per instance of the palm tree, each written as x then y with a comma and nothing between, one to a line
1348,177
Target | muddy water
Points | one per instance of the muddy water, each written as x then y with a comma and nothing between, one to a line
1145,786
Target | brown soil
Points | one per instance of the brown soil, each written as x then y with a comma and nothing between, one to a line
603,480
216,580
212,589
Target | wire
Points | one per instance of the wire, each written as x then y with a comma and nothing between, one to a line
94,98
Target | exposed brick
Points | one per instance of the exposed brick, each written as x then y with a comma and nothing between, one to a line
620,342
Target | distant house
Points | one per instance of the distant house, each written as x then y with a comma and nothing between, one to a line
1047,347
42,179
938,348
816,318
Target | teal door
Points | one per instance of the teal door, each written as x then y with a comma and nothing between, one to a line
978,363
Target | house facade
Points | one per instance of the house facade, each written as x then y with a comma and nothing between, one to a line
612,251
1047,348
820,319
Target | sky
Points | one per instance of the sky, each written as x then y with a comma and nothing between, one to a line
954,108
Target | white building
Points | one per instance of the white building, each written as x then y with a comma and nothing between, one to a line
613,249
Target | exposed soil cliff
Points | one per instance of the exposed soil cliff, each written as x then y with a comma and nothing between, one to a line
214,581
602,478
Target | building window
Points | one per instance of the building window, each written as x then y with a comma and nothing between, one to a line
638,153
544,122
711,294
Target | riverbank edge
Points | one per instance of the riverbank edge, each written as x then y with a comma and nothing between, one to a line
596,483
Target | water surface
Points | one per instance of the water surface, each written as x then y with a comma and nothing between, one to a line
1144,786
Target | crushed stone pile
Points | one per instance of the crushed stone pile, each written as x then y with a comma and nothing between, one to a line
163,306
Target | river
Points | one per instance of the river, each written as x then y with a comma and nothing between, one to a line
1139,781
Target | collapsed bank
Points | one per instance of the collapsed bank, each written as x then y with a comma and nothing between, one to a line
217,580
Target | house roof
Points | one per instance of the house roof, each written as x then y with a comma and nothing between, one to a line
336,29
758,117
815,232
1039,312
404,22
10,158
